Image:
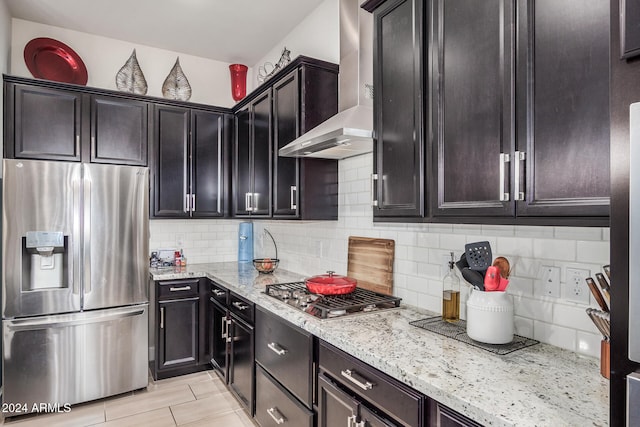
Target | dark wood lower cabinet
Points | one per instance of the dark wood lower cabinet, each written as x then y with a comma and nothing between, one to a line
241,357
276,406
441,416
218,328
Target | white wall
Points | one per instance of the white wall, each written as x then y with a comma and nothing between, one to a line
317,36
314,247
210,80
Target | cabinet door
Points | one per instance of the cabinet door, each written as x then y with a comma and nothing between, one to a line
261,156
171,135
563,107
218,333
241,362
207,164
441,416
399,139
472,114
119,131
371,419
335,407
242,164
286,128
275,406
46,123
178,333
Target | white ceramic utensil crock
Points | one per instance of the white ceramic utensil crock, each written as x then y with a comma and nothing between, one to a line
490,317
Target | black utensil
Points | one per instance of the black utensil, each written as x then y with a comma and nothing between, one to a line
478,255
475,278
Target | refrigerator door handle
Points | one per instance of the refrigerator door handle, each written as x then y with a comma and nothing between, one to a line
75,266
86,235
65,320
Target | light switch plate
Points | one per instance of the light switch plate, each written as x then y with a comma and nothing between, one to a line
549,283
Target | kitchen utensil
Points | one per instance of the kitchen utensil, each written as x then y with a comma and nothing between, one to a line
492,279
503,284
331,284
596,321
475,278
478,255
603,285
503,265
370,263
607,271
51,59
597,294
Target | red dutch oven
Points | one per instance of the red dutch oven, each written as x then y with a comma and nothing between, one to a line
331,284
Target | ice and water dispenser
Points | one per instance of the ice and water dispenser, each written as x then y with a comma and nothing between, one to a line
44,260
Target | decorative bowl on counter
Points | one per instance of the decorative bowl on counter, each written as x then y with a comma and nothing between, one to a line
265,265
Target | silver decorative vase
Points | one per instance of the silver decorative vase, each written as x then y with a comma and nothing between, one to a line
130,77
176,85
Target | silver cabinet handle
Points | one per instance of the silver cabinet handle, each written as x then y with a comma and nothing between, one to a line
229,337
349,374
247,202
518,194
186,203
193,203
292,192
504,160
276,415
352,421
225,327
254,201
374,178
218,292
239,305
182,288
277,349
161,317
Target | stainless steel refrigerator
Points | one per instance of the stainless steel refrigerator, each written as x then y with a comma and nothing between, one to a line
74,282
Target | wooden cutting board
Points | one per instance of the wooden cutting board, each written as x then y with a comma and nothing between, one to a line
370,262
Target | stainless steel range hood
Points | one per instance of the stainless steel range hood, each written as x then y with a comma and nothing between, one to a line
350,132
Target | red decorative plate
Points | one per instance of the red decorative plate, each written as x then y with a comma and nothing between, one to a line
51,59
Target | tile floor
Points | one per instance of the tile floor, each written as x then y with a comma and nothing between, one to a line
194,400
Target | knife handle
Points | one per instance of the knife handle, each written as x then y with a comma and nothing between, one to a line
597,294
604,285
607,271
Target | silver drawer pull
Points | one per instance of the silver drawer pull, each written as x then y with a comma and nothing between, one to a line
183,288
276,415
218,292
348,374
240,306
277,349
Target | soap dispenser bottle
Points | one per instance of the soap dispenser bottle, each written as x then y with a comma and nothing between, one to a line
451,294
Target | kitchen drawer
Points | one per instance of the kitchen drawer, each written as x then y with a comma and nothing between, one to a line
391,396
286,352
241,308
173,289
275,406
219,293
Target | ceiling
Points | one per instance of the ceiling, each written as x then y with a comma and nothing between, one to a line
231,31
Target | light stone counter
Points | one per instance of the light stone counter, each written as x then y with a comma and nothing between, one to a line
537,386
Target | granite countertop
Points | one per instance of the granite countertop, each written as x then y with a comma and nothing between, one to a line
540,385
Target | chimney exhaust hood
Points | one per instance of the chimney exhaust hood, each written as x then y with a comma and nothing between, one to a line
350,132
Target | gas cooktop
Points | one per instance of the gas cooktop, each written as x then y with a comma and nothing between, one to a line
296,295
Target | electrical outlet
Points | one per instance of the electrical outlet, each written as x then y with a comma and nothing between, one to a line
550,282
576,288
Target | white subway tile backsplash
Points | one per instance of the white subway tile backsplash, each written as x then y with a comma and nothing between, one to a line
419,254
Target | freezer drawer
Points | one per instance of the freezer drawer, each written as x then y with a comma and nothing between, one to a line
73,358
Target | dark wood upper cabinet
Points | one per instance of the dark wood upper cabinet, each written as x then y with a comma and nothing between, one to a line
119,131
562,101
472,109
42,123
398,74
54,121
189,162
298,98
303,188
252,159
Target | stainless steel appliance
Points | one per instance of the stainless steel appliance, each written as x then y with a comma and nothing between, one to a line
296,295
74,282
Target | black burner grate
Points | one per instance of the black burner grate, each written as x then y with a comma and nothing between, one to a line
326,306
458,331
